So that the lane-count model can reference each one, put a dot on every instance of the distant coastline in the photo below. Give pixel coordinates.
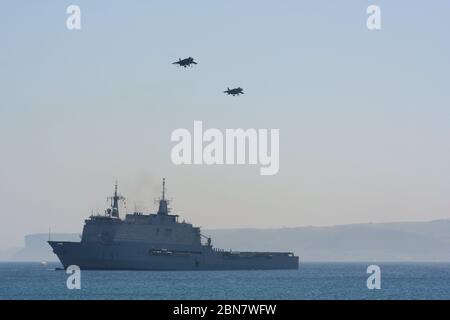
(396, 242)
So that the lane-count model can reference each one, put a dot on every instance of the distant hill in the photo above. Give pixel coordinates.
(37, 249)
(402, 241)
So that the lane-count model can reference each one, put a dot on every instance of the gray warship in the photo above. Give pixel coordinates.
(156, 241)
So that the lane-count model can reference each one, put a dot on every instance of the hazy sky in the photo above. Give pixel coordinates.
(364, 117)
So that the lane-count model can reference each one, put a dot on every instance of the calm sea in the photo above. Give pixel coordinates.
(311, 281)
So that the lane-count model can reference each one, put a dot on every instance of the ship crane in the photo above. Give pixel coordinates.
(208, 239)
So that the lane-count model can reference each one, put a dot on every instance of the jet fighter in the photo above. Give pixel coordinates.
(185, 62)
(235, 91)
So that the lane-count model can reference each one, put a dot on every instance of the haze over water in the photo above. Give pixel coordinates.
(311, 281)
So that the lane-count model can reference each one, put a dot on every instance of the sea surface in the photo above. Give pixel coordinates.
(310, 281)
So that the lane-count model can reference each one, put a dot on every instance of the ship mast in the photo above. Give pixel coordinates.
(164, 189)
(115, 202)
(163, 203)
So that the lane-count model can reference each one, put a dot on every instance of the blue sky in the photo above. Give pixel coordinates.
(363, 116)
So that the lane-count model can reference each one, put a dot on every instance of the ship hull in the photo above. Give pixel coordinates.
(138, 256)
